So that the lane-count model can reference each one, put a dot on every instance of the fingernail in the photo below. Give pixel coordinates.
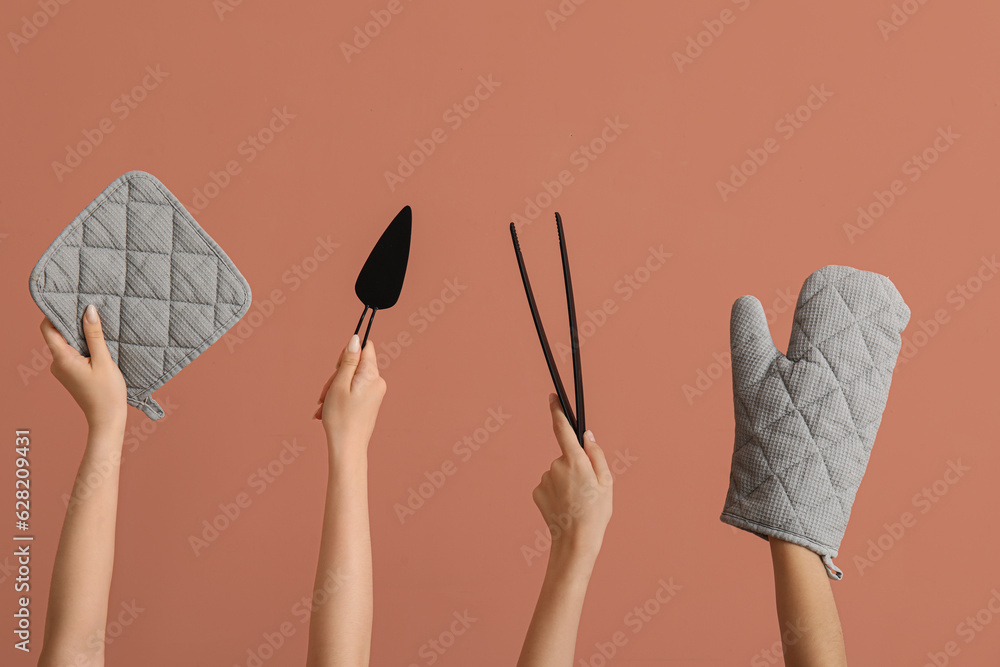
(355, 344)
(552, 398)
(589, 435)
(90, 314)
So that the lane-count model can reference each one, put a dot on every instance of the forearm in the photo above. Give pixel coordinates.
(811, 635)
(340, 629)
(81, 577)
(551, 637)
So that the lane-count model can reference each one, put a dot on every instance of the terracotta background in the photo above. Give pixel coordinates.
(323, 176)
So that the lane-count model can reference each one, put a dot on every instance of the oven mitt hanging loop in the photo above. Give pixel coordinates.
(151, 408)
(806, 422)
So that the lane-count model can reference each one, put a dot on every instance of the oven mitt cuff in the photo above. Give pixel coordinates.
(806, 422)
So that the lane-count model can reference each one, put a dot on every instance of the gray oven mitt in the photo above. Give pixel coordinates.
(165, 291)
(806, 423)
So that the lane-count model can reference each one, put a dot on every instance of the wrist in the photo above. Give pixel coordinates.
(345, 454)
(106, 432)
(572, 561)
(569, 576)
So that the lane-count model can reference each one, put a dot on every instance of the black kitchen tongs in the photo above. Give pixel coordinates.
(576, 422)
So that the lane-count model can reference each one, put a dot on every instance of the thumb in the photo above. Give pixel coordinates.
(348, 363)
(99, 352)
(750, 341)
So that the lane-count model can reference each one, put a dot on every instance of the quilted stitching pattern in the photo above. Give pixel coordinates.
(806, 423)
(165, 290)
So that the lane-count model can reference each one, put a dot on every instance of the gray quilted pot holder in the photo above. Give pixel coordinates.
(164, 289)
(806, 423)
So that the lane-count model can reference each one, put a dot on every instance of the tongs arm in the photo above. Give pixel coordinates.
(549, 360)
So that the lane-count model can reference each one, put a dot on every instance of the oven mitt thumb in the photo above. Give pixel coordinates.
(806, 423)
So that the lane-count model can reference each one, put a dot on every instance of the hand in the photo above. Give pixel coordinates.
(574, 495)
(351, 398)
(94, 382)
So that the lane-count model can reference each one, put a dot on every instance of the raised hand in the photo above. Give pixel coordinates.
(94, 382)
